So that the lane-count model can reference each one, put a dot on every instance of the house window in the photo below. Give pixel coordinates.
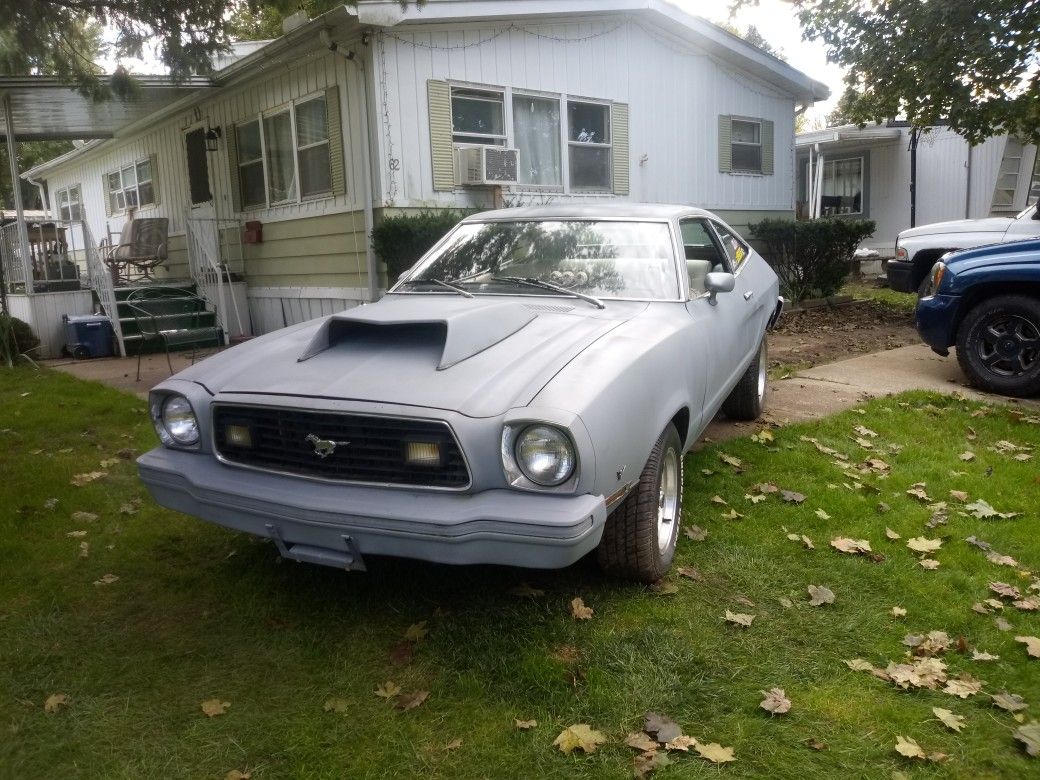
(131, 186)
(588, 134)
(198, 166)
(69, 204)
(536, 135)
(746, 145)
(842, 191)
(285, 156)
(477, 116)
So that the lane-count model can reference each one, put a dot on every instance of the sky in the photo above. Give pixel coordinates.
(775, 20)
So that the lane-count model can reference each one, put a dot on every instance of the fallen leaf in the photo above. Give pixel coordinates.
(764, 436)
(898, 612)
(755, 499)
(79, 480)
(402, 652)
(1001, 560)
(696, 533)
(715, 752)
(719, 500)
(1028, 604)
(640, 740)
(55, 702)
(775, 701)
(959, 495)
(1032, 644)
(822, 515)
(791, 497)
(1002, 624)
(862, 431)
(1011, 702)
(905, 746)
(979, 655)
(949, 719)
(851, 546)
(682, 742)
(84, 549)
(455, 744)
(336, 705)
(580, 736)
(409, 701)
(661, 727)
(967, 456)
(922, 545)
(691, 573)
(234, 774)
(918, 491)
(214, 707)
(525, 591)
(765, 487)
(1004, 590)
(736, 463)
(865, 444)
(84, 517)
(892, 534)
(785, 602)
(525, 725)
(388, 690)
(820, 595)
(739, 618)
(107, 579)
(732, 514)
(963, 687)
(416, 632)
(648, 762)
(928, 563)
(579, 610)
(1029, 736)
(76, 534)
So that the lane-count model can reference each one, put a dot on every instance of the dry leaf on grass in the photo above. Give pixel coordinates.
(851, 546)
(1001, 560)
(401, 653)
(336, 704)
(922, 545)
(580, 736)
(55, 702)
(79, 480)
(949, 719)
(641, 741)
(1032, 644)
(1011, 702)
(775, 701)
(76, 534)
(691, 573)
(416, 632)
(859, 665)
(917, 490)
(682, 742)
(214, 707)
(1029, 736)
(1004, 590)
(729, 460)
(525, 725)
(388, 690)
(661, 727)
(715, 752)
(979, 655)
(107, 579)
(791, 497)
(84, 517)
(696, 533)
(84, 549)
(409, 701)
(967, 456)
(649, 762)
(579, 610)
(863, 431)
(822, 515)
(235, 774)
(719, 500)
(732, 514)
(897, 612)
(963, 687)
(739, 618)
(820, 595)
(959, 495)
(905, 746)
(755, 499)
(928, 563)
(1002, 624)
(892, 534)
(1029, 604)
(455, 744)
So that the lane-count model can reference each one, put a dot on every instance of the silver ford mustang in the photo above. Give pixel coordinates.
(523, 396)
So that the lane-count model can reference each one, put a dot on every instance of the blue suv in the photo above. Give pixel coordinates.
(986, 302)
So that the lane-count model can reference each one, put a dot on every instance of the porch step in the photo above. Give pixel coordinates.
(134, 342)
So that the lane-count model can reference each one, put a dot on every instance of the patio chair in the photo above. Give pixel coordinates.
(173, 318)
(144, 248)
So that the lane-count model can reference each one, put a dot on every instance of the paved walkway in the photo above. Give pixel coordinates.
(808, 395)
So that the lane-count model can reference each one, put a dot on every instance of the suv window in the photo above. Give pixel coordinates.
(702, 253)
(736, 249)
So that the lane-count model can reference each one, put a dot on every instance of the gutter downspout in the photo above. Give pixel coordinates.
(967, 188)
(915, 136)
(371, 262)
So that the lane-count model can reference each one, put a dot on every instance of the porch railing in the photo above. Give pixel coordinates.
(214, 260)
(104, 287)
(55, 261)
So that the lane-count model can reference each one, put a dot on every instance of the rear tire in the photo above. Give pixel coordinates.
(998, 345)
(639, 537)
(747, 400)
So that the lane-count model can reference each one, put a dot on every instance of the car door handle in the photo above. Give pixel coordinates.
(748, 294)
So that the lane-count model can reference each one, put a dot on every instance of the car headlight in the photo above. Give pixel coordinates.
(545, 455)
(175, 421)
(935, 277)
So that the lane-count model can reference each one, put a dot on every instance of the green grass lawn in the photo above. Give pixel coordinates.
(199, 613)
(903, 302)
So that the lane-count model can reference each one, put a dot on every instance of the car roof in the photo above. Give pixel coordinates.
(585, 210)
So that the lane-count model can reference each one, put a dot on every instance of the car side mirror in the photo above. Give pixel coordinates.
(718, 282)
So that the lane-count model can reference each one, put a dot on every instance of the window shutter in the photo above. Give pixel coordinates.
(725, 143)
(232, 153)
(332, 114)
(155, 178)
(438, 95)
(619, 132)
(767, 147)
(108, 195)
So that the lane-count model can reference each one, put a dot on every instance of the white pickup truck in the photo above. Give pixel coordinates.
(918, 248)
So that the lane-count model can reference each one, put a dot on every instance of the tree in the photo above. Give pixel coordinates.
(842, 113)
(972, 63)
(755, 38)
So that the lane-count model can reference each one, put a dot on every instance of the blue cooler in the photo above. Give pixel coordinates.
(88, 335)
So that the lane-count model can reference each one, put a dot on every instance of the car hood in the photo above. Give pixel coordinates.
(477, 356)
(989, 225)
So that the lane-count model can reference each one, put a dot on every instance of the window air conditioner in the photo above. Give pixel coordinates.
(477, 166)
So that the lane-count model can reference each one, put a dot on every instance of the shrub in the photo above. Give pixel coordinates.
(400, 241)
(20, 337)
(812, 258)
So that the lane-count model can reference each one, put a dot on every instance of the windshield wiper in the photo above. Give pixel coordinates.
(550, 286)
(447, 285)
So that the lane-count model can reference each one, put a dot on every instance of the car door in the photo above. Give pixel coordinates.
(1025, 226)
(716, 324)
(750, 293)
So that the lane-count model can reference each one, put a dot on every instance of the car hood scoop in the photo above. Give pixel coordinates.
(457, 331)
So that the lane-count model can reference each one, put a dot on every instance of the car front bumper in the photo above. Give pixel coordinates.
(936, 319)
(337, 524)
(901, 276)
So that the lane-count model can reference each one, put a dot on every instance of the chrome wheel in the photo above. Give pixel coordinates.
(668, 500)
(1009, 346)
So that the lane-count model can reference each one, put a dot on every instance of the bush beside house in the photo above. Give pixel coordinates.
(401, 240)
(20, 337)
(813, 258)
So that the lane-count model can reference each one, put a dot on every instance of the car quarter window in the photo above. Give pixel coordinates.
(735, 247)
(702, 253)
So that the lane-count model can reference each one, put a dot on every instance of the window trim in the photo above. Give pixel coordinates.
(67, 191)
(864, 158)
(564, 99)
(716, 225)
(750, 144)
(259, 117)
(114, 207)
(507, 115)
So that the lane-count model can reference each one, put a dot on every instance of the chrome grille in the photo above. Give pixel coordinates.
(369, 449)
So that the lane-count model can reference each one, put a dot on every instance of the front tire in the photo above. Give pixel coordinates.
(747, 400)
(639, 537)
(998, 345)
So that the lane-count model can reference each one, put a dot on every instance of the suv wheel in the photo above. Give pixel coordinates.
(998, 345)
(639, 538)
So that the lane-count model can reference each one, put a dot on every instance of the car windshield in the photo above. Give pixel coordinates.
(604, 259)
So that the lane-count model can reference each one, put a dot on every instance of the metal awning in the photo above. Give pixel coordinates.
(44, 109)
